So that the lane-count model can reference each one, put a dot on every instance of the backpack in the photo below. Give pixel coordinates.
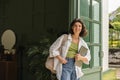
(49, 64)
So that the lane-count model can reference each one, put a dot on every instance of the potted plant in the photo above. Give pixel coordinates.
(37, 54)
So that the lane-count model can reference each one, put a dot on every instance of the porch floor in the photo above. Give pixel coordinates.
(112, 74)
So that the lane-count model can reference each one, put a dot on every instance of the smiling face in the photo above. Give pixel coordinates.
(77, 27)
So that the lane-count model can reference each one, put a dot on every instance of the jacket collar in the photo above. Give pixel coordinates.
(70, 37)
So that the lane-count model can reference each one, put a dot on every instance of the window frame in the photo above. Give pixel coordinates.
(91, 22)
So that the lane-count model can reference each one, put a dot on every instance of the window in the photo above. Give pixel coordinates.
(95, 33)
(95, 10)
(84, 8)
(90, 14)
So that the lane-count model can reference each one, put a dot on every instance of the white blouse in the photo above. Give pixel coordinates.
(54, 52)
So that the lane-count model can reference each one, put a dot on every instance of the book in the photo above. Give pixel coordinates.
(83, 51)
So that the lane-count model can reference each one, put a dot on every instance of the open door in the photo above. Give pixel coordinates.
(89, 11)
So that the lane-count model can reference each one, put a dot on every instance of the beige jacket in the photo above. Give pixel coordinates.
(54, 52)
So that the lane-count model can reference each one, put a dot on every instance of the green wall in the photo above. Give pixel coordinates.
(31, 20)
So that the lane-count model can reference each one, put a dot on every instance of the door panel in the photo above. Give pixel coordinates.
(89, 12)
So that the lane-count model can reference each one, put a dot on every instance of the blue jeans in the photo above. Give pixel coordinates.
(68, 70)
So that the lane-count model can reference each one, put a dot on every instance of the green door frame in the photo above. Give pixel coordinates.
(74, 12)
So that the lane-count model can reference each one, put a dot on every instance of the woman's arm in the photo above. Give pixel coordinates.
(54, 50)
(85, 58)
(55, 46)
(79, 57)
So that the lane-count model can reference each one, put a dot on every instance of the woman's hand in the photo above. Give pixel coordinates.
(78, 57)
(82, 58)
(62, 60)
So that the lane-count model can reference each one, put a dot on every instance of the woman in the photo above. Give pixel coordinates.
(64, 62)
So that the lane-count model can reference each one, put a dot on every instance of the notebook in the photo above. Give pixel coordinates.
(82, 52)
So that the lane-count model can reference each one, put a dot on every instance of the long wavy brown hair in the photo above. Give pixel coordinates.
(83, 31)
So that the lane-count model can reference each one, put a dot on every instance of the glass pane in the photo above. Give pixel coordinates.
(84, 8)
(86, 65)
(96, 60)
(95, 33)
(87, 38)
(95, 10)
